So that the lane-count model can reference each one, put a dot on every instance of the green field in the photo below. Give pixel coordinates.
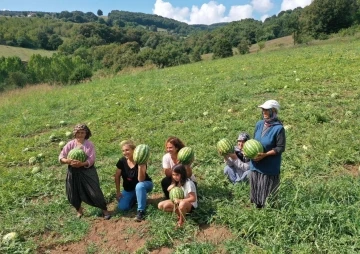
(317, 210)
(23, 53)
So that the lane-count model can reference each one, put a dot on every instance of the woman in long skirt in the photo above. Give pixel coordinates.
(82, 181)
(265, 168)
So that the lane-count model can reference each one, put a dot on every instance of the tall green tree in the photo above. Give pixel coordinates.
(328, 16)
(222, 48)
(100, 12)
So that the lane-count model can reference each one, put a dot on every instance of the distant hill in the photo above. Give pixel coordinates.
(124, 18)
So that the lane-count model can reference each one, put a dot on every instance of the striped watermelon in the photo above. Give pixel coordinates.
(141, 154)
(176, 192)
(77, 154)
(252, 147)
(185, 155)
(224, 146)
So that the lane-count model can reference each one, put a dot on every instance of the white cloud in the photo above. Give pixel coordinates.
(263, 17)
(292, 4)
(207, 13)
(262, 5)
(165, 9)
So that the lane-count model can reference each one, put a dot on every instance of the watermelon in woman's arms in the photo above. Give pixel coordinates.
(77, 154)
(185, 155)
(141, 154)
(224, 146)
(252, 147)
(176, 192)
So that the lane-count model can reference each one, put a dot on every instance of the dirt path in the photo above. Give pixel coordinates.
(124, 235)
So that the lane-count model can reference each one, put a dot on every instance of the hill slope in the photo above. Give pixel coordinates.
(316, 209)
(23, 53)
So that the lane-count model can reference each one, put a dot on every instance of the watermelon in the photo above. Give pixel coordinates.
(69, 134)
(141, 154)
(32, 161)
(224, 146)
(77, 154)
(252, 147)
(35, 170)
(10, 237)
(176, 192)
(185, 155)
(61, 144)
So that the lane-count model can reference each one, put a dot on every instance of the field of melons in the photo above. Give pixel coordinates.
(317, 209)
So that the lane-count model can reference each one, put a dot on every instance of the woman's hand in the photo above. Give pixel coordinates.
(77, 164)
(177, 201)
(171, 186)
(118, 196)
(260, 156)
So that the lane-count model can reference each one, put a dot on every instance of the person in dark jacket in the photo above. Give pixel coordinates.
(265, 167)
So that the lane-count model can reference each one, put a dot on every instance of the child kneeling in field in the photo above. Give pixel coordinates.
(181, 206)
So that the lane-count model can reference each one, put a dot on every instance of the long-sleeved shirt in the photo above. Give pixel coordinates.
(88, 148)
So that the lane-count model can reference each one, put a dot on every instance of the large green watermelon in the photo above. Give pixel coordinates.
(141, 154)
(77, 154)
(185, 155)
(224, 146)
(176, 192)
(252, 147)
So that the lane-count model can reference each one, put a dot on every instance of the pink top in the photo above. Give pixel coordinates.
(88, 148)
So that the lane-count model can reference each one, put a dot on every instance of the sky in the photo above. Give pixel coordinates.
(191, 12)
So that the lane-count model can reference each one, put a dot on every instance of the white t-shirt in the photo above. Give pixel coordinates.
(188, 187)
(167, 162)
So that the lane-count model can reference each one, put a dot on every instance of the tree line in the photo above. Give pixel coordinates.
(88, 43)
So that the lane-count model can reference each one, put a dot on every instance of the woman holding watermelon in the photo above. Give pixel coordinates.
(265, 167)
(136, 182)
(82, 181)
(188, 201)
(237, 165)
(169, 160)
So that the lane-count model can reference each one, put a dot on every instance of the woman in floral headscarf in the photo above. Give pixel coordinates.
(82, 181)
(265, 167)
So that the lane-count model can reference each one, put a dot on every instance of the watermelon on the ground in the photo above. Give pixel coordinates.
(77, 154)
(61, 144)
(224, 146)
(252, 147)
(32, 161)
(185, 155)
(69, 134)
(141, 154)
(10, 237)
(36, 170)
(176, 192)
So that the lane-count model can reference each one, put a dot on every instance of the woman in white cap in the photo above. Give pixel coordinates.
(237, 165)
(265, 168)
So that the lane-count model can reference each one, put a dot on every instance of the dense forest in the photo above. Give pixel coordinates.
(85, 42)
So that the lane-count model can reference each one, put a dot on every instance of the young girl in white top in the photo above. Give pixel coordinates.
(182, 206)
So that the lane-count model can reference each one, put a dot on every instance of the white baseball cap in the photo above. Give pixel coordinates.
(270, 104)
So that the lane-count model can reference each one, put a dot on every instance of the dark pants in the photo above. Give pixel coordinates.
(82, 185)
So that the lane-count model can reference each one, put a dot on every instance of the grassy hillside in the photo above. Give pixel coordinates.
(23, 53)
(317, 210)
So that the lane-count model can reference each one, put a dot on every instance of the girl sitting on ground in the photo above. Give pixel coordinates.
(181, 206)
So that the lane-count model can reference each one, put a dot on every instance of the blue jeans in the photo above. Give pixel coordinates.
(236, 176)
(129, 198)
